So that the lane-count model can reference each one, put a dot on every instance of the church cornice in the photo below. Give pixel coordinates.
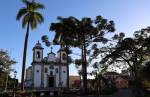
(48, 63)
(34, 63)
(38, 48)
(53, 63)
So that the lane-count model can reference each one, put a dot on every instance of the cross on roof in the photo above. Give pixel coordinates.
(51, 49)
(38, 42)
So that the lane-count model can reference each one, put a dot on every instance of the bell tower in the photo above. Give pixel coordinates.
(62, 55)
(37, 52)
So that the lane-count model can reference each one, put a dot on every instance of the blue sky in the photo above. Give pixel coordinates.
(128, 15)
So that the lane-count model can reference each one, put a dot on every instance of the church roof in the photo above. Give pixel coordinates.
(51, 52)
(38, 46)
(61, 49)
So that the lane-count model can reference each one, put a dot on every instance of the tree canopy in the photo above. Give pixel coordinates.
(30, 14)
(5, 61)
(5, 67)
(80, 33)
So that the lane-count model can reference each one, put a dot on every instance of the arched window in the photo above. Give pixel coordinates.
(38, 54)
(64, 56)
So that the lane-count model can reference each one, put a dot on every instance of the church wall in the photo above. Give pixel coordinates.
(46, 74)
(37, 75)
(64, 76)
(51, 57)
(41, 76)
(45, 80)
(57, 75)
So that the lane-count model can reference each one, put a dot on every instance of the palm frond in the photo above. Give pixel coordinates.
(33, 21)
(39, 6)
(39, 18)
(21, 13)
(30, 14)
(26, 2)
(25, 20)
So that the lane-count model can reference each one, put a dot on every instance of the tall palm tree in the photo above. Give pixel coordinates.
(30, 19)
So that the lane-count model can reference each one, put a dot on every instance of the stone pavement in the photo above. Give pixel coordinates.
(120, 93)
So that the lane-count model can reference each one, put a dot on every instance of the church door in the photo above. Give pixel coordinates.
(51, 81)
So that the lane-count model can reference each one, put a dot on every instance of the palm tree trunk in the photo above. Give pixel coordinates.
(24, 57)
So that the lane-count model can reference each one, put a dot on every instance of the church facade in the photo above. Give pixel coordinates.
(47, 72)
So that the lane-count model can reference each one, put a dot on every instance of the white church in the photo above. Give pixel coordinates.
(47, 72)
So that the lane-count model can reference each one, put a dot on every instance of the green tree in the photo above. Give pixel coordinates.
(146, 71)
(63, 39)
(80, 33)
(5, 68)
(78, 63)
(132, 52)
(30, 18)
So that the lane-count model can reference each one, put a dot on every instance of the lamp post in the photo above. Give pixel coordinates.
(15, 73)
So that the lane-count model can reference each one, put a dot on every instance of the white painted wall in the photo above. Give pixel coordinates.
(46, 75)
(37, 75)
(57, 76)
(45, 80)
(51, 58)
(64, 76)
